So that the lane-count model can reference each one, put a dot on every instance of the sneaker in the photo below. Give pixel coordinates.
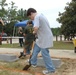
(34, 66)
(21, 54)
(24, 55)
(46, 72)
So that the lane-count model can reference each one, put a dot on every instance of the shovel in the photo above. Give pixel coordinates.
(28, 66)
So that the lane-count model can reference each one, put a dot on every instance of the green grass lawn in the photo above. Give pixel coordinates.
(15, 45)
(63, 45)
(57, 45)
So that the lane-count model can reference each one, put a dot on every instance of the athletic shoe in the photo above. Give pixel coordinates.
(24, 55)
(21, 54)
(34, 66)
(46, 72)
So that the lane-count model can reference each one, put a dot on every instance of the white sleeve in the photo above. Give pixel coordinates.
(36, 21)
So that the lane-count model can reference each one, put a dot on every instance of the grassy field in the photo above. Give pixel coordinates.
(63, 45)
(15, 45)
(57, 45)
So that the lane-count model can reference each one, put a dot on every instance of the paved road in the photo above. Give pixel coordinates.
(53, 52)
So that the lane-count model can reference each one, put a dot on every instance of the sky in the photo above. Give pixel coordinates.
(50, 8)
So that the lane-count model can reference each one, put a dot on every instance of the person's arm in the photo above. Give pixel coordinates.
(2, 22)
(36, 25)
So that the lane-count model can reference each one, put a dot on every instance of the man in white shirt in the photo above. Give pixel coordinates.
(44, 41)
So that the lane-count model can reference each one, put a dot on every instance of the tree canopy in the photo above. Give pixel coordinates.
(10, 16)
(68, 19)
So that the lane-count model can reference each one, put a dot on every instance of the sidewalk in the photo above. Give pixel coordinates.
(56, 53)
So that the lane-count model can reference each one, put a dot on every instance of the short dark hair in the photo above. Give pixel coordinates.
(29, 22)
(31, 10)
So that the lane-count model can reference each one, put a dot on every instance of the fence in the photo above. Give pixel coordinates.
(56, 38)
(8, 39)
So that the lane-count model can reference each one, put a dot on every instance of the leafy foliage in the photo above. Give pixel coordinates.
(56, 31)
(68, 19)
(10, 16)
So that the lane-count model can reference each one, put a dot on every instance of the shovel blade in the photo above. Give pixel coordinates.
(27, 67)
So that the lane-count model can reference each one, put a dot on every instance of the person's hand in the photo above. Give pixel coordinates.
(20, 32)
(34, 32)
(24, 34)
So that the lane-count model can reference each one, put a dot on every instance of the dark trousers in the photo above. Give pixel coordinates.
(21, 42)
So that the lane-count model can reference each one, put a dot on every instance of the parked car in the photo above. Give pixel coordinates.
(3, 35)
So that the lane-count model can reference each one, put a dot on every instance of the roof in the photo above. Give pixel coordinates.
(21, 24)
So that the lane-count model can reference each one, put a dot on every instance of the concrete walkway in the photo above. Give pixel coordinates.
(56, 53)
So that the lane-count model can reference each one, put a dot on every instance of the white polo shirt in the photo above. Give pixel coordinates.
(44, 33)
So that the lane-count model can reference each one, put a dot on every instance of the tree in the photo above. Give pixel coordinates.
(9, 28)
(56, 31)
(11, 13)
(21, 14)
(2, 12)
(3, 4)
(68, 19)
(10, 16)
